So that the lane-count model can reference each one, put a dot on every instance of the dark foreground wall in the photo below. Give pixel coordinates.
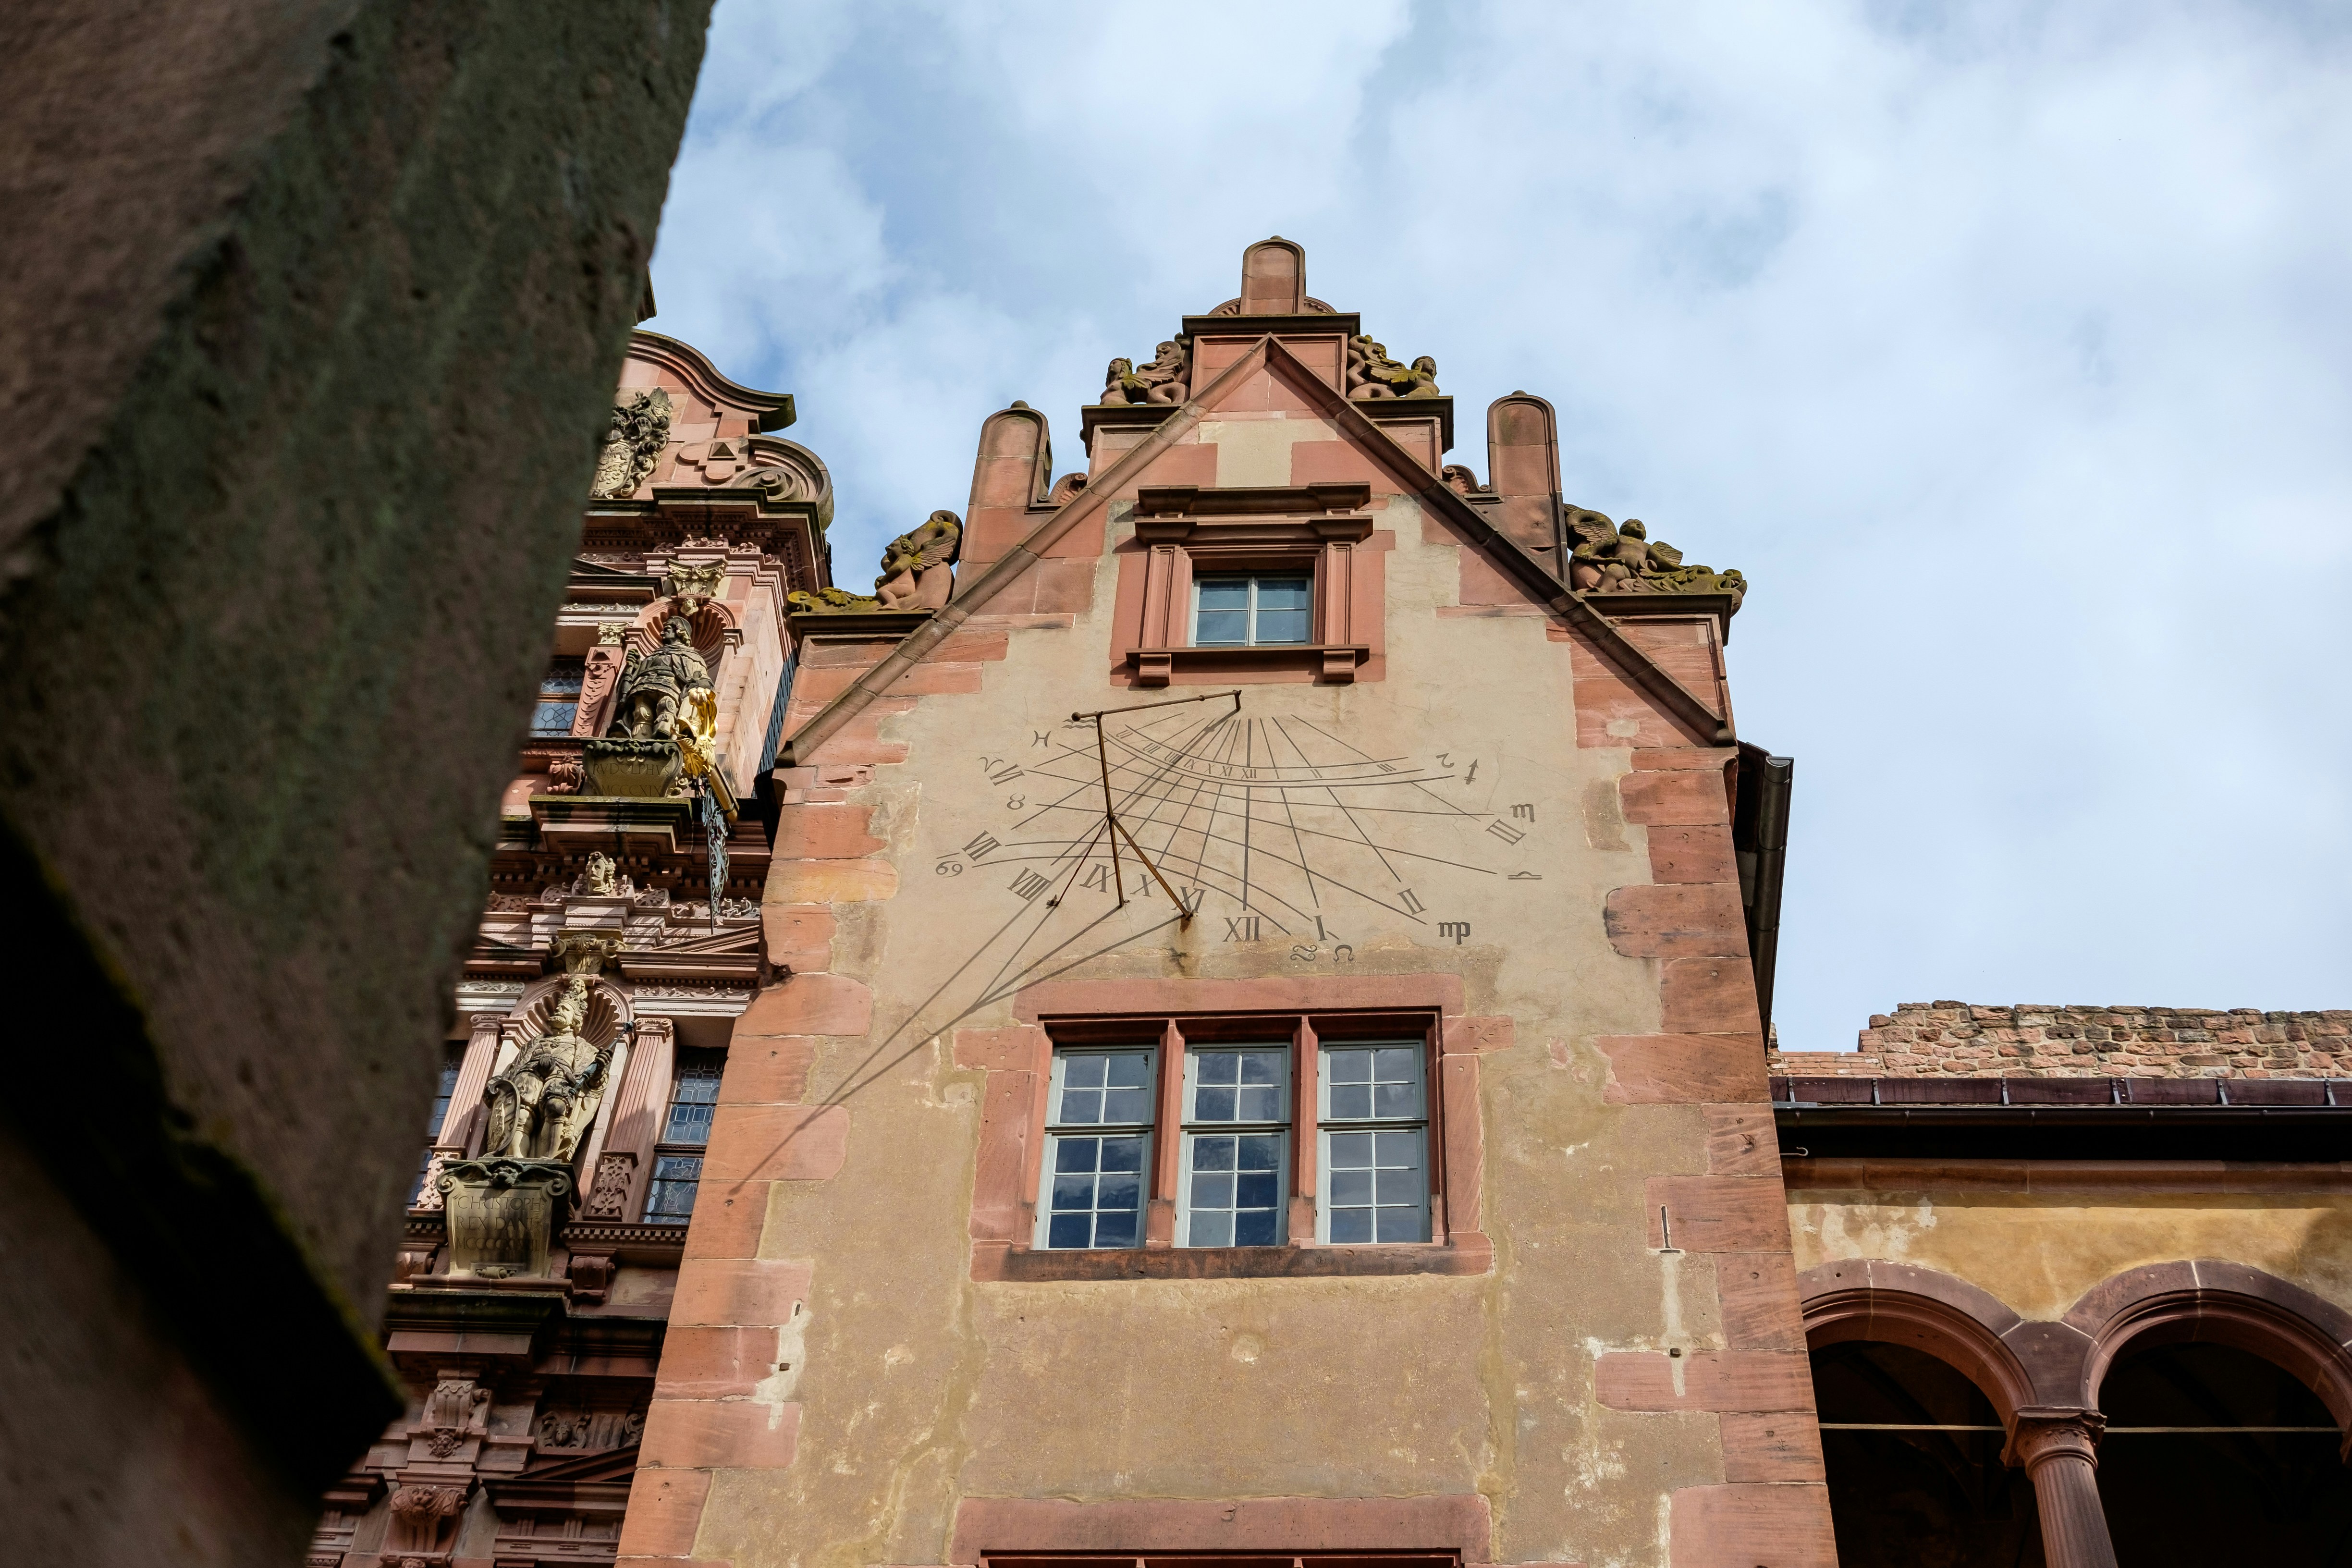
(310, 318)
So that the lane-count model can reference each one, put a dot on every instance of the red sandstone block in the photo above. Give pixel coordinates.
(1711, 1380)
(1676, 919)
(931, 678)
(1000, 1050)
(1750, 1526)
(1718, 1214)
(1064, 587)
(1756, 1296)
(664, 1510)
(739, 1434)
(860, 740)
(971, 646)
(838, 653)
(773, 1070)
(1468, 1034)
(750, 1292)
(1653, 759)
(1682, 1070)
(812, 688)
(800, 936)
(1000, 1184)
(825, 833)
(1708, 996)
(808, 1005)
(729, 1219)
(713, 1363)
(1693, 854)
(1741, 1141)
(1674, 799)
(777, 1144)
(1611, 712)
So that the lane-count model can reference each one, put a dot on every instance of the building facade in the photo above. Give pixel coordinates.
(1220, 1012)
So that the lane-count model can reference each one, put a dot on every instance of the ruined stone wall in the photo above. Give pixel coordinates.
(1932, 1039)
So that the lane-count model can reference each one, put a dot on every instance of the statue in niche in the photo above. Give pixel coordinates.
(542, 1102)
(1628, 561)
(1161, 381)
(918, 574)
(640, 430)
(656, 687)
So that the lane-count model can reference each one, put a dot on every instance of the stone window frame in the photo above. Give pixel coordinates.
(1009, 1181)
(1322, 531)
(682, 1063)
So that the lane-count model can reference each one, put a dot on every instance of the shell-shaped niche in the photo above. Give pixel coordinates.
(608, 1009)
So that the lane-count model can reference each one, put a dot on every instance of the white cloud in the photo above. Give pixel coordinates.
(2004, 348)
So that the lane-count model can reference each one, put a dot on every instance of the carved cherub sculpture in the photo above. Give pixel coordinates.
(1371, 373)
(918, 568)
(655, 687)
(1634, 562)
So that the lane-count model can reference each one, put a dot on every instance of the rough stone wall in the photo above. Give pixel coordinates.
(313, 314)
(1954, 1040)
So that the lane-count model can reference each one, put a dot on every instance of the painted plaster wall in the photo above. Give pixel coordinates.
(922, 1387)
(2038, 1253)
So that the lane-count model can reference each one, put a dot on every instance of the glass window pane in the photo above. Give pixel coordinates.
(1403, 1224)
(1083, 1106)
(1350, 1101)
(1212, 1228)
(553, 719)
(1281, 594)
(1254, 1228)
(1128, 1105)
(1212, 1104)
(694, 1095)
(1234, 1192)
(563, 678)
(1221, 617)
(1127, 1070)
(1278, 626)
(1349, 1066)
(1224, 592)
(1086, 1102)
(1219, 1066)
(1351, 1226)
(1260, 1102)
(1260, 1067)
(1083, 1071)
(1238, 1085)
(1094, 1198)
(669, 1198)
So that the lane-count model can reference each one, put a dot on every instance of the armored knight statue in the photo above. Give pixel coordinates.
(655, 687)
(542, 1103)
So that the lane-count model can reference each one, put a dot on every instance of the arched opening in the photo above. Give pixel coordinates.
(1916, 1479)
(2213, 1454)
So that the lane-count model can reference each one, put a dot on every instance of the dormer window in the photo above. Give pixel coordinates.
(1252, 611)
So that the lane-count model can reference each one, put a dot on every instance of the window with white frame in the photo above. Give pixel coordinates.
(1257, 610)
(686, 1132)
(1373, 1123)
(1232, 1192)
(1098, 1148)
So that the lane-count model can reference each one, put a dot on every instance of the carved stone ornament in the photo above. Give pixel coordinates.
(608, 1200)
(565, 777)
(1164, 380)
(694, 586)
(501, 1216)
(421, 1515)
(1373, 374)
(542, 1102)
(640, 430)
(1627, 561)
(918, 574)
(597, 879)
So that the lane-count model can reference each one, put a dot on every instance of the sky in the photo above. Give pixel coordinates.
(2007, 349)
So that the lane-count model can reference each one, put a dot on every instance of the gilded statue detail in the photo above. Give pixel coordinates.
(918, 574)
(655, 687)
(640, 430)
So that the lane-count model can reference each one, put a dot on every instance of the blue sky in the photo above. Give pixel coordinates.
(2007, 349)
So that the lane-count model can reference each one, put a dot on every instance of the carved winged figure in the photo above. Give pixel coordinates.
(543, 1101)
(918, 568)
(1630, 561)
(655, 687)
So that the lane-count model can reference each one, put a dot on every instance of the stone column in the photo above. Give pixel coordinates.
(462, 1124)
(2058, 1446)
(637, 1110)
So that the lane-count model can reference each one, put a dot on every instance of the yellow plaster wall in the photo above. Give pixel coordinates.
(2040, 1253)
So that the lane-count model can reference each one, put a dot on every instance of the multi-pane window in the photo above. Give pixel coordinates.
(1228, 1132)
(1254, 611)
(453, 1058)
(1098, 1148)
(559, 697)
(1236, 1132)
(677, 1157)
(1374, 1125)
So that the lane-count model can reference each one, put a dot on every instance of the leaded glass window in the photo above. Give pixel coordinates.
(677, 1160)
(559, 698)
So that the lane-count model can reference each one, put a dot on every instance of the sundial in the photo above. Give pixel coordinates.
(1202, 822)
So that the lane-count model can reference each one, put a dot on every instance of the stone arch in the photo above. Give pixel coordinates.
(715, 628)
(2212, 1301)
(1894, 1303)
(609, 1007)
